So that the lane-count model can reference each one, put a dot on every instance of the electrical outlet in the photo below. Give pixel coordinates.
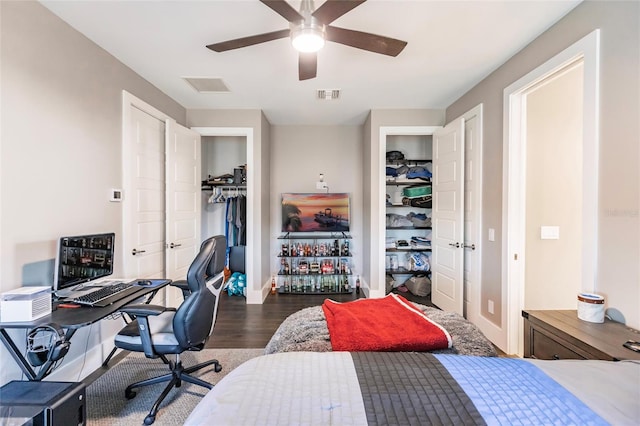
(490, 307)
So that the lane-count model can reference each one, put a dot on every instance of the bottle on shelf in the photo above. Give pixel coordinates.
(273, 285)
(358, 285)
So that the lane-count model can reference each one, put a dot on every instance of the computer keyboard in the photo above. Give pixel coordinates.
(107, 295)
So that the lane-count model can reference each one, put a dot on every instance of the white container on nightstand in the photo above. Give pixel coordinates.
(591, 307)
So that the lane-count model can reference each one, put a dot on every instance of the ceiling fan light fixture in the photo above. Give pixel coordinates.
(307, 38)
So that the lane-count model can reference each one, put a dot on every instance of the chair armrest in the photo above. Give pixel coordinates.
(142, 313)
(143, 310)
(183, 286)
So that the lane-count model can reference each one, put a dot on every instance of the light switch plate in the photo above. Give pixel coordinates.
(549, 232)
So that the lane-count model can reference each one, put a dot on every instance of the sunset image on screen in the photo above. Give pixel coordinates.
(310, 212)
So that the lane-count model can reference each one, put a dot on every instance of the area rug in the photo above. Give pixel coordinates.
(107, 405)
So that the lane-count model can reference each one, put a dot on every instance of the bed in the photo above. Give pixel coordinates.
(306, 330)
(387, 388)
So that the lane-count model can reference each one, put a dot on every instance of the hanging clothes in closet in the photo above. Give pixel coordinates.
(236, 220)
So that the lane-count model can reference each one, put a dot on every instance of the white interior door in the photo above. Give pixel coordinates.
(448, 217)
(472, 212)
(143, 155)
(183, 202)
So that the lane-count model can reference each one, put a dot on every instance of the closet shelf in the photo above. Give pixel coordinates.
(316, 274)
(211, 187)
(416, 181)
(402, 250)
(407, 227)
(315, 256)
(407, 162)
(282, 290)
(314, 236)
(405, 271)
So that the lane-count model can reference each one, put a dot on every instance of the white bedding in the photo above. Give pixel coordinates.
(312, 388)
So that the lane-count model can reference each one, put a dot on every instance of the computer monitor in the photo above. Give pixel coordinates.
(83, 258)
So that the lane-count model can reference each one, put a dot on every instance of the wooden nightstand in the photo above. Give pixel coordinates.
(562, 335)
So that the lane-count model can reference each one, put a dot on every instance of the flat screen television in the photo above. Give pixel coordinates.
(83, 258)
(315, 212)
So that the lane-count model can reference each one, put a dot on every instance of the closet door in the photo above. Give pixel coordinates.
(161, 202)
(183, 202)
(143, 204)
(448, 218)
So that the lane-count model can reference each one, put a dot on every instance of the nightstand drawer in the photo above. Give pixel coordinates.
(546, 347)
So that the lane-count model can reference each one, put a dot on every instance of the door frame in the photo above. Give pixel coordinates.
(586, 49)
(255, 292)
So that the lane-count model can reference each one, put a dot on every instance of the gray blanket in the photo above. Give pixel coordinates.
(306, 330)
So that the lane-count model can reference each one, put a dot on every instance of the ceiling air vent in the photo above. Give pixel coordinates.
(207, 84)
(328, 95)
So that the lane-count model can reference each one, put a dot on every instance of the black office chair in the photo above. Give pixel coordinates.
(159, 331)
(237, 259)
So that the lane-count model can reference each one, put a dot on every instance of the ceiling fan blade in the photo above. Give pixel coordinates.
(366, 41)
(331, 10)
(237, 43)
(307, 65)
(283, 9)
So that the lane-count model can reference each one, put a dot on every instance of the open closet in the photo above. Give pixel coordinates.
(408, 203)
(448, 231)
(224, 188)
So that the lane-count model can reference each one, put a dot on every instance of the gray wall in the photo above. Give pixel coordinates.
(618, 271)
(298, 155)
(61, 108)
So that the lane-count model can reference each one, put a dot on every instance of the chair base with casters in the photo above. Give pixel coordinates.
(161, 332)
(175, 378)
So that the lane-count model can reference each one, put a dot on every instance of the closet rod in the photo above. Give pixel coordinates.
(213, 187)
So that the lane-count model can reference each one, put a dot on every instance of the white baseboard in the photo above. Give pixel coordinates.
(78, 368)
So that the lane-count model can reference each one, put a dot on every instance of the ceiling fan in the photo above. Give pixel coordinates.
(309, 28)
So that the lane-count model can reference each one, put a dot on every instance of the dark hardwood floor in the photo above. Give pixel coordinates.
(239, 325)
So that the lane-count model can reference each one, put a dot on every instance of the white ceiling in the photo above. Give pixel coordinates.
(452, 45)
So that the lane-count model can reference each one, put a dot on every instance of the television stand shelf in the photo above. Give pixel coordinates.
(314, 263)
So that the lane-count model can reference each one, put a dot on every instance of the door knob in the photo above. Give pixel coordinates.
(134, 251)
(472, 246)
(456, 245)
(172, 245)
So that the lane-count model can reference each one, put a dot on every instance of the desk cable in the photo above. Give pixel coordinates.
(26, 332)
(86, 346)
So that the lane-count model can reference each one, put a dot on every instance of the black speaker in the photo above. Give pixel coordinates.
(46, 343)
(46, 403)
(238, 176)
